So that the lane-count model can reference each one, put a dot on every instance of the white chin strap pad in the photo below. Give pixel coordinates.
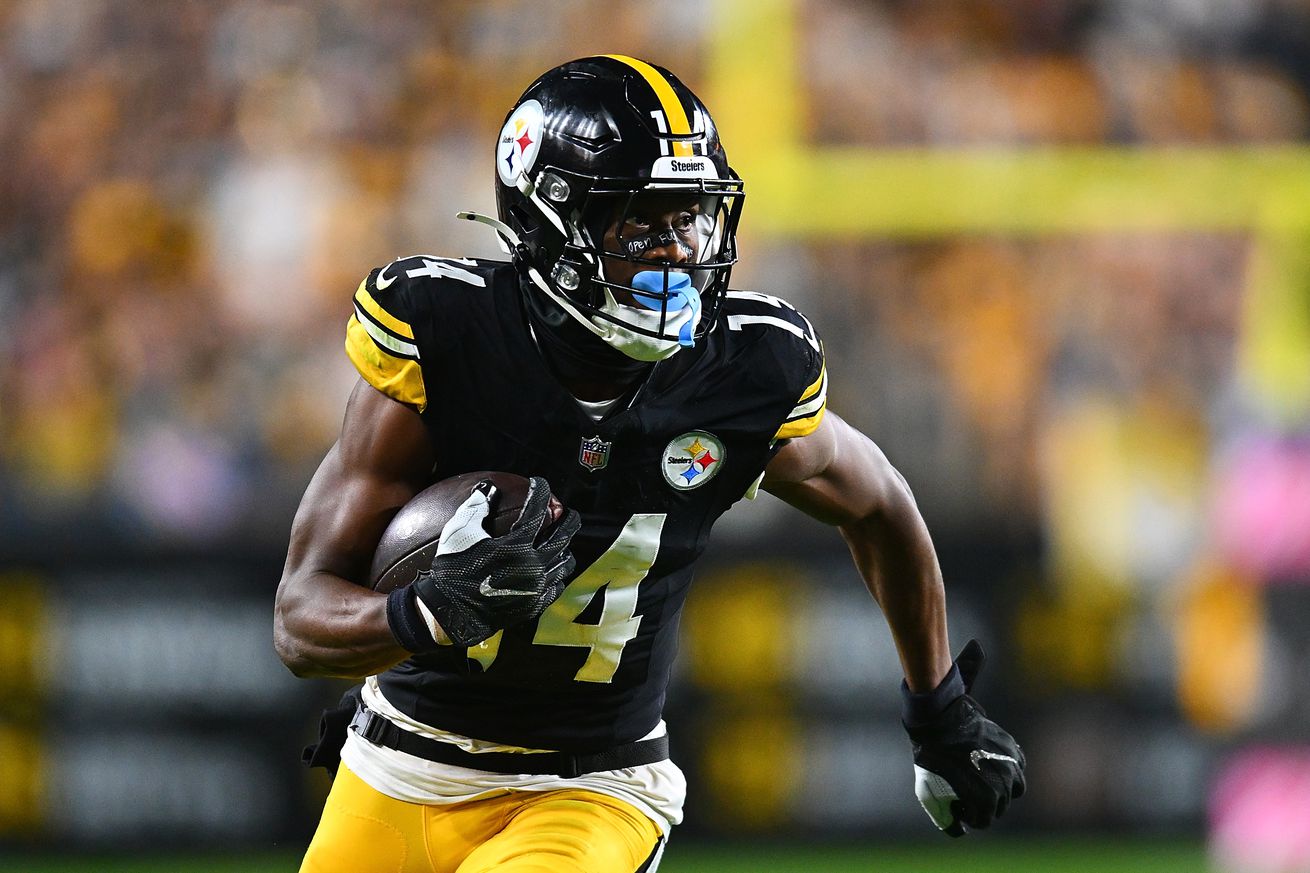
(617, 330)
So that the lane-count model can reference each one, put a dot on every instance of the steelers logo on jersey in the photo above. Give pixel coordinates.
(520, 140)
(692, 459)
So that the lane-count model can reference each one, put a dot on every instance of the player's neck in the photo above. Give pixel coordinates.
(586, 367)
(596, 391)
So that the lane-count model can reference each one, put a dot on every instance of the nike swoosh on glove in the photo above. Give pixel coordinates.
(967, 769)
(479, 584)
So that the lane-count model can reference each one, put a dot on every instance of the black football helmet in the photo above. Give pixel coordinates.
(587, 147)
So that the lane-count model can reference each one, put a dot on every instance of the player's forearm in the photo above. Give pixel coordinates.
(340, 629)
(895, 555)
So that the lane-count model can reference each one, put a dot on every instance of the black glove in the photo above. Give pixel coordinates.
(967, 768)
(479, 584)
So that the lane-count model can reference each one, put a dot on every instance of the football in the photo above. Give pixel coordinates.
(410, 541)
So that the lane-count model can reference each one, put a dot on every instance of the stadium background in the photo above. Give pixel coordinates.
(1060, 254)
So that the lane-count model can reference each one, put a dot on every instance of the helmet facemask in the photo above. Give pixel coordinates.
(647, 263)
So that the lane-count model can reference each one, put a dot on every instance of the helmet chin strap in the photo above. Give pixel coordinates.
(631, 343)
(505, 235)
(510, 242)
(576, 354)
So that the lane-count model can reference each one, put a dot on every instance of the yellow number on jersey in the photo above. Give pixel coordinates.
(619, 571)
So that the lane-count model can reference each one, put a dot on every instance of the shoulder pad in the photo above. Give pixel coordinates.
(422, 269)
(743, 308)
(395, 296)
(799, 349)
(380, 339)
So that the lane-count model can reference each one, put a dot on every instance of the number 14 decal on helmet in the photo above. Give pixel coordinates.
(694, 146)
(619, 571)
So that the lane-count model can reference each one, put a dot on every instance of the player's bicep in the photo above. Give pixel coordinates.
(382, 459)
(835, 473)
(326, 622)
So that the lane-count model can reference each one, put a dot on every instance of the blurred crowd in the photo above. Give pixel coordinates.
(1071, 71)
(195, 188)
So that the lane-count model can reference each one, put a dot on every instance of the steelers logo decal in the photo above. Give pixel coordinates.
(692, 459)
(520, 140)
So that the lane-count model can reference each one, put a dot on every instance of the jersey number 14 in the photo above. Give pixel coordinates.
(618, 572)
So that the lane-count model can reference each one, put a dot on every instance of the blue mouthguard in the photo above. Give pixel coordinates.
(681, 295)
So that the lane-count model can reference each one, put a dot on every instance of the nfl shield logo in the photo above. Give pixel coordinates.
(595, 453)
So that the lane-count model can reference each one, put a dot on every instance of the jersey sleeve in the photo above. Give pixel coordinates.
(784, 345)
(800, 353)
(380, 339)
(813, 401)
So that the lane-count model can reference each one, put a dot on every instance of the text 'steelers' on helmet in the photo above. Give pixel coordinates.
(598, 146)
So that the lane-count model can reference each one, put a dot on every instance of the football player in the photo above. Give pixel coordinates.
(510, 718)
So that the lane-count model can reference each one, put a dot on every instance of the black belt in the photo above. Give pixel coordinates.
(381, 732)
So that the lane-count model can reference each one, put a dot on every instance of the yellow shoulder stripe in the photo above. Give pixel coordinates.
(801, 426)
(673, 110)
(373, 308)
(399, 378)
(815, 385)
(808, 413)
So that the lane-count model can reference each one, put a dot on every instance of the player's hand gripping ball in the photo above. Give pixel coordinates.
(500, 558)
(967, 769)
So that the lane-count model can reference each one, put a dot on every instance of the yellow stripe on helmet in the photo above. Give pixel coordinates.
(673, 111)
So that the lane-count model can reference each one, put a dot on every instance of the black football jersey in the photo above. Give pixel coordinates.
(450, 338)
